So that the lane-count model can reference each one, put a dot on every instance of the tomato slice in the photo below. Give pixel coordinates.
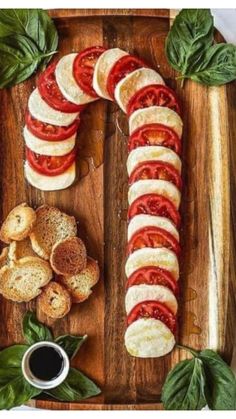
(154, 134)
(153, 275)
(153, 237)
(50, 92)
(83, 68)
(125, 65)
(50, 132)
(155, 310)
(50, 165)
(153, 95)
(154, 204)
(154, 169)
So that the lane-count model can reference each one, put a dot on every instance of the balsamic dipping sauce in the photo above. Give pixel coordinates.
(46, 363)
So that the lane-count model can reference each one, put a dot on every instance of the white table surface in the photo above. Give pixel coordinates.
(225, 22)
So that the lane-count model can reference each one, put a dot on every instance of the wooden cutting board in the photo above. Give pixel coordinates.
(99, 201)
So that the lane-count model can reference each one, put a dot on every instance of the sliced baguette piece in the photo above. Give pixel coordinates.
(23, 281)
(19, 250)
(79, 286)
(51, 226)
(54, 300)
(69, 256)
(18, 224)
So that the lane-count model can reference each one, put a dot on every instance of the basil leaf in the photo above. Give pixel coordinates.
(28, 39)
(32, 23)
(75, 387)
(71, 344)
(217, 67)
(190, 35)
(11, 357)
(19, 59)
(220, 380)
(14, 389)
(33, 330)
(184, 386)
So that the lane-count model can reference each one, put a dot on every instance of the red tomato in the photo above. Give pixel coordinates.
(83, 69)
(153, 95)
(50, 132)
(154, 204)
(50, 165)
(125, 65)
(153, 237)
(50, 92)
(156, 170)
(153, 275)
(154, 134)
(155, 310)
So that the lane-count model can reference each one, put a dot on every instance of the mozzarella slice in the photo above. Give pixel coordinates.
(156, 115)
(156, 186)
(129, 85)
(67, 83)
(161, 257)
(140, 293)
(48, 148)
(102, 69)
(145, 220)
(147, 153)
(40, 110)
(50, 183)
(149, 338)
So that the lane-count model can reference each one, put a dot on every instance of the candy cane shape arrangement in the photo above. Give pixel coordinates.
(154, 172)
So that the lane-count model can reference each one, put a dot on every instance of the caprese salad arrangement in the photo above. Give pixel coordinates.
(154, 170)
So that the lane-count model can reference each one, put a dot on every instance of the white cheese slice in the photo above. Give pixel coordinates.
(48, 148)
(140, 293)
(146, 153)
(50, 183)
(149, 338)
(102, 69)
(67, 83)
(129, 85)
(40, 110)
(160, 257)
(156, 115)
(144, 220)
(154, 186)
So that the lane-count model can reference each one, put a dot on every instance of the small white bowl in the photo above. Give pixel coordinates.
(42, 384)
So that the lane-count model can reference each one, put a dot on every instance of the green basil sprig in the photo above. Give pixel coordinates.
(28, 39)
(190, 49)
(15, 390)
(203, 380)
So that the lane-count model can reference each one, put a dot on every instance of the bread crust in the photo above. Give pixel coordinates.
(69, 256)
(51, 226)
(20, 249)
(54, 300)
(4, 257)
(79, 286)
(18, 224)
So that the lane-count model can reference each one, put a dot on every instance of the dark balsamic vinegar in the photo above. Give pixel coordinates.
(46, 363)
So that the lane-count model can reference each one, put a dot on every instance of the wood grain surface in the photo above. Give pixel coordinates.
(99, 201)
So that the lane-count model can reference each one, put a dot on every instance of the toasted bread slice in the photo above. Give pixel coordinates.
(23, 281)
(4, 257)
(51, 226)
(19, 250)
(79, 286)
(69, 256)
(54, 300)
(18, 224)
